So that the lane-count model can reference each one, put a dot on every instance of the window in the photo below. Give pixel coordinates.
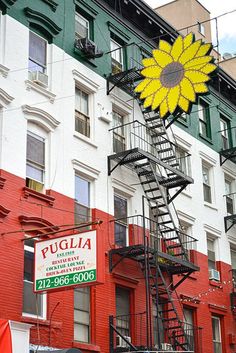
(118, 134)
(81, 27)
(211, 254)
(82, 314)
(186, 235)
(33, 304)
(201, 28)
(183, 158)
(207, 194)
(35, 162)
(189, 326)
(158, 327)
(233, 264)
(82, 200)
(204, 120)
(123, 311)
(120, 214)
(229, 197)
(216, 334)
(37, 53)
(82, 120)
(224, 130)
(116, 57)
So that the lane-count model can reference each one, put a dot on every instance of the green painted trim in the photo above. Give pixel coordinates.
(52, 4)
(42, 21)
(86, 8)
(118, 32)
(6, 4)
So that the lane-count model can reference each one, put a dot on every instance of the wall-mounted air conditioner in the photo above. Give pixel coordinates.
(88, 48)
(120, 342)
(214, 274)
(39, 77)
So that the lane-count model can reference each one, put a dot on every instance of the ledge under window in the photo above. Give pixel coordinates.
(86, 346)
(36, 87)
(85, 139)
(2, 182)
(43, 197)
(208, 139)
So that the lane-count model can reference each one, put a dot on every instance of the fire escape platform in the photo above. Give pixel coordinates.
(229, 154)
(172, 264)
(124, 80)
(131, 158)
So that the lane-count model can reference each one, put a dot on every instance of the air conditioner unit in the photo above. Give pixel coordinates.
(39, 77)
(88, 48)
(214, 274)
(120, 342)
(166, 347)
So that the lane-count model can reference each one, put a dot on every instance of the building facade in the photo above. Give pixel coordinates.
(77, 147)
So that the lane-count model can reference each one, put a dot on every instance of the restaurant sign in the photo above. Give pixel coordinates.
(65, 261)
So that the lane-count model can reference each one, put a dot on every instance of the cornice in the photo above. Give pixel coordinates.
(4, 70)
(3, 211)
(27, 192)
(40, 115)
(5, 98)
(37, 221)
(39, 19)
(52, 4)
(2, 182)
(6, 4)
(33, 85)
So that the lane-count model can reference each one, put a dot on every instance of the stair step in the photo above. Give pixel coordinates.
(153, 189)
(171, 174)
(142, 165)
(166, 222)
(157, 143)
(145, 172)
(152, 119)
(165, 150)
(159, 133)
(174, 165)
(169, 319)
(174, 246)
(174, 327)
(148, 181)
(166, 311)
(168, 158)
(180, 254)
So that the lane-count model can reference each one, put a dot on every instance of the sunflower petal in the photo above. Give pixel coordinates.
(196, 76)
(149, 62)
(152, 71)
(204, 49)
(162, 58)
(187, 41)
(183, 104)
(190, 52)
(151, 88)
(200, 88)
(173, 98)
(163, 108)
(165, 46)
(197, 63)
(187, 90)
(158, 97)
(142, 85)
(148, 101)
(177, 48)
(207, 69)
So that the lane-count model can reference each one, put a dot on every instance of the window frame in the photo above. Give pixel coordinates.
(127, 329)
(207, 186)
(212, 252)
(88, 28)
(204, 120)
(79, 205)
(83, 117)
(184, 157)
(88, 326)
(213, 317)
(36, 62)
(119, 133)
(43, 295)
(121, 223)
(115, 47)
(201, 28)
(225, 132)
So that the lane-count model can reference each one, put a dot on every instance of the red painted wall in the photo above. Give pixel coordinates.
(58, 328)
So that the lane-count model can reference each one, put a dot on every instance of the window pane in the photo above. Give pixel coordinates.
(81, 27)
(82, 314)
(120, 208)
(81, 332)
(29, 266)
(120, 234)
(81, 101)
(36, 149)
(82, 298)
(82, 188)
(34, 173)
(81, 317)
(32, 301)
(37, 49)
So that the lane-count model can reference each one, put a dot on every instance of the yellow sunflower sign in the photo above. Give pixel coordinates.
(175, 75)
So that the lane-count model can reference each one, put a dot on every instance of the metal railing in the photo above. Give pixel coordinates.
(139, 227)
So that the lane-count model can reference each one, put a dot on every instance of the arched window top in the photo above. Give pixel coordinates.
(5, 98)
(40, 117)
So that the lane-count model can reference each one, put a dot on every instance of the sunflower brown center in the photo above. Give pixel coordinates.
(172, 75)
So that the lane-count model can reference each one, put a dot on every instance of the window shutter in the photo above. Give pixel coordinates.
(35, 150)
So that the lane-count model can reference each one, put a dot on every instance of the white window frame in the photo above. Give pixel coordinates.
(79, 114)
(224, 132)
(44, 295)
(43, 66)
(209, 185)
(117, 54)
(79, 17)
(83, 311)
(126, 225)
(184, 159)
(204, 119)
(231, 194)
(89, 196)
(201, 28)
(219, 329)
(119, 133)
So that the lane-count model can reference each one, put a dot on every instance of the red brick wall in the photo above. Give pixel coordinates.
(58, 328)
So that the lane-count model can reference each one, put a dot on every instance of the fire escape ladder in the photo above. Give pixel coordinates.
(167, 312)
(160, 209)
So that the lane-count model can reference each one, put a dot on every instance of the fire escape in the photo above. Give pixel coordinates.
(157, 242)
(228, 153)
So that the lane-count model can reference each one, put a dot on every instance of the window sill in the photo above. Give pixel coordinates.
(83, 57)
(2, 182)
(43, 197)
(217, 284)
(86, 346)
(209, 205)
(85, 139)
(182, 122)
(3, 211)
(207, 139)
(44, 91)
(31, 319)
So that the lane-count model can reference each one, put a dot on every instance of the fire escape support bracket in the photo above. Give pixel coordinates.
(170, 199)
(110, 170)
(227, 228)
(123, 337)
(116, 84)
(223, 159)
(111, 266)
(182, 280)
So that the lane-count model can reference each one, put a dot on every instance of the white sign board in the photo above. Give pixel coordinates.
(65, 261)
